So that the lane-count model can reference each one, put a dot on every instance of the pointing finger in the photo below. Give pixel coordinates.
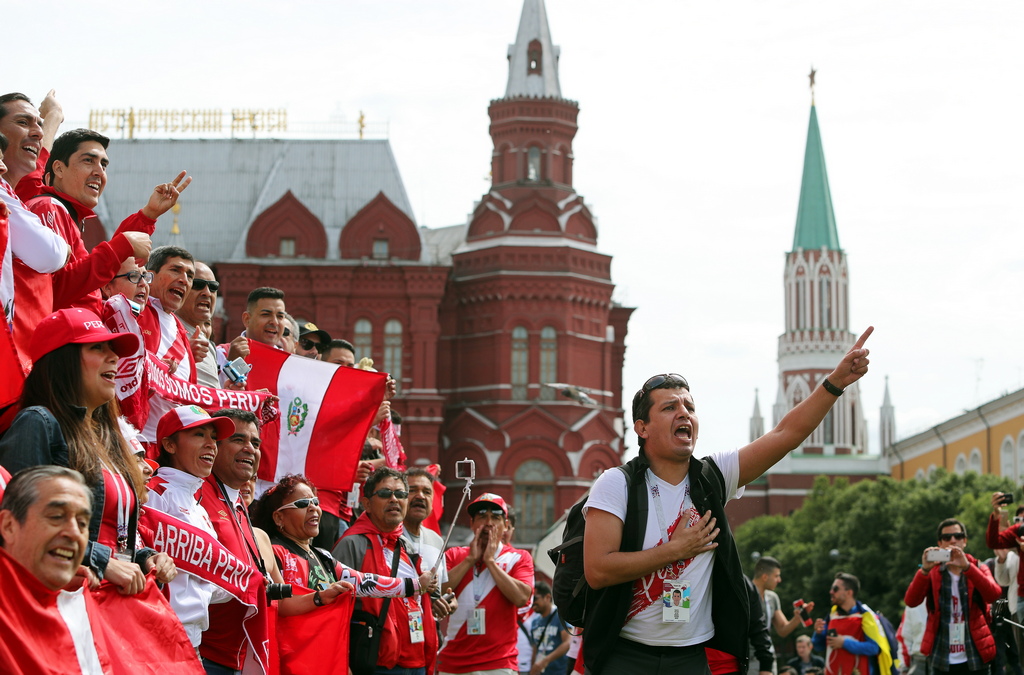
(864, 337)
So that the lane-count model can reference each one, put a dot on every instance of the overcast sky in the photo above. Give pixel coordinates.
(693, 119)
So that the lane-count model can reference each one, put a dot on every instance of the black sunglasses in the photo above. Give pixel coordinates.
(287, 332)
(200, 284)
(385, 493)
(308, 344)
(135, 275)
(658, 380)
(946, 536)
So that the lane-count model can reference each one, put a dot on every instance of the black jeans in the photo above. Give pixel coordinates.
(630, 658)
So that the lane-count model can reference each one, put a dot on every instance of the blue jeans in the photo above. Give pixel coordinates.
(398, 670)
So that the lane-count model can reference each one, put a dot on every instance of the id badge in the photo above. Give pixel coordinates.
(956, 633)
(416, 625)
(675, 600)
(352, 498)
(476, 624)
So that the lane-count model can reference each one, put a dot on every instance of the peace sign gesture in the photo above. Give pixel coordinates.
(165, 196)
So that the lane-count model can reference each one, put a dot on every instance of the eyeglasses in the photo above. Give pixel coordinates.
(308, 344)
(385, 493)
(200, 284)
(300, 504)
(946, 536)
(836, 589)
(135, 276)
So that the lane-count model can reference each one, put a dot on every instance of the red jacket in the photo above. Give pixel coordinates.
(77, 284)
(981, 590)
(1006, 539)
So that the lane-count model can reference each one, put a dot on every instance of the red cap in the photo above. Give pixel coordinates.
(190, 416)
(80, 327)
(484, 500)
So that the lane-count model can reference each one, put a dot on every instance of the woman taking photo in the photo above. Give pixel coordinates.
(69, 417)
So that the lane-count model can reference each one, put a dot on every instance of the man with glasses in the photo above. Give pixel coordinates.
(659, 525)
(956, 589)
(409, 642)
(198, 308)
(312, 341)
(491, 579)
(851, 636)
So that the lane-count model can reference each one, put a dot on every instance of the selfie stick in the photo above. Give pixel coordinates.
(451, 528)
(1012, 623)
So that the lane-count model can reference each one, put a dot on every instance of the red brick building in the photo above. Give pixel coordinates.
(472, 320)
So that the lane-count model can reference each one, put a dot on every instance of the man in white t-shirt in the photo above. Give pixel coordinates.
(681, 516)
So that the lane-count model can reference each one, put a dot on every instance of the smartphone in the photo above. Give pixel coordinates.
(832, 632)
(237, 370)
(1007, 498)
(938, 555)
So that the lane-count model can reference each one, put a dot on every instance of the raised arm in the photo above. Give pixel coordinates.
(799, 422)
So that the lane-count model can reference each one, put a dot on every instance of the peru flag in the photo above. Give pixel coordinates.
(326, 412)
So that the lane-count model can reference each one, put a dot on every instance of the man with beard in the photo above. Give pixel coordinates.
(422, 541)
(491, 579)
(198, 308)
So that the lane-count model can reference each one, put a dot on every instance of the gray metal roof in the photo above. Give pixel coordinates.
(234, 180)
(533, 25)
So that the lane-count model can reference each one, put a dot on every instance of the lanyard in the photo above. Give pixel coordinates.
(123, 507)
(656, 495)
(477, 589)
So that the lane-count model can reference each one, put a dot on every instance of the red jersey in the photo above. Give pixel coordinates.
(496, 647)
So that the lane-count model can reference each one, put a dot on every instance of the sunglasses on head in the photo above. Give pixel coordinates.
(946, 536)
(658, 380)
(200, 284)
(385, 493)
(135, 276)
(301, 503)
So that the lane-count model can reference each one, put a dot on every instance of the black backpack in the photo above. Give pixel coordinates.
(569, 587)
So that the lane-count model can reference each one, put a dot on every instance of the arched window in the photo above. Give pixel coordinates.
(974, 463)
(920, 474)
(393, 350)
(362, 339)
(534, 53)
(1006, 460)
(828, 431)
(533, 173)
(548, 360)
(960, 468)
(520, 362)
(825, 301)
(931, 470)
(535, 500)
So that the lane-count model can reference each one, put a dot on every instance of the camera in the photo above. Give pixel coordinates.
(1007, 498)
(938, 555)
(465, 469)
(801, 611)
(279, 591)
(237, 370)
(832, 632)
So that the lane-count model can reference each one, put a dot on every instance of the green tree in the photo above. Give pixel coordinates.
(874, 529)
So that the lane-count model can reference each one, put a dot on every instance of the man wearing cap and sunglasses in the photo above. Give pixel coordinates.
(491, 580)
(957, 636)
(312, 341)
(659, 525)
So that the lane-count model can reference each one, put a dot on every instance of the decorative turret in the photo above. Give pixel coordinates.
(887, 421)
(756, 421)
(817, 330)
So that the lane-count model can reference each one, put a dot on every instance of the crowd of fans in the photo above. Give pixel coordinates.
(131, 541)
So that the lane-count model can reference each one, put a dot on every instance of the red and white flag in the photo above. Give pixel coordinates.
(326, 412)
(389, 438)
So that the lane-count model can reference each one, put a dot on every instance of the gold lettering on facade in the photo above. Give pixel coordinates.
(129, 122)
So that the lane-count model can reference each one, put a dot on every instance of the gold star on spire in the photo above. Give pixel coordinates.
(811, 78)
